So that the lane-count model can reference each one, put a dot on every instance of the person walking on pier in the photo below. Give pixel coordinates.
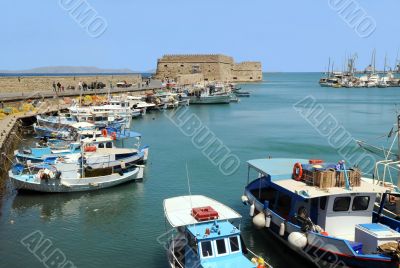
(54, 86)
(59, 86)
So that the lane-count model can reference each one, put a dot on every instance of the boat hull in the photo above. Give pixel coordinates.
(66, 185)
(320, 249)
(217, 99)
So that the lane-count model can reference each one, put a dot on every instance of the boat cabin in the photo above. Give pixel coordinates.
(205, 235)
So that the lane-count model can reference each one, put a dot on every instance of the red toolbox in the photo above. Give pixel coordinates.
(204, 213)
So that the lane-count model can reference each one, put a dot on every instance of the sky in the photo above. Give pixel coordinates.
(285, 35)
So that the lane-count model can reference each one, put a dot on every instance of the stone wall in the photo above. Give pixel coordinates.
(214, 67)
(40, 83)
(189, 79)
(247, 71)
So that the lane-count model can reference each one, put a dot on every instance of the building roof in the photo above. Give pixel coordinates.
(177, 210)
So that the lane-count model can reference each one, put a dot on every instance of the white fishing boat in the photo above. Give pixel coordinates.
(205, 235)
(63, 178)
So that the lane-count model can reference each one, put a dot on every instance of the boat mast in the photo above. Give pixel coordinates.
(328, 74)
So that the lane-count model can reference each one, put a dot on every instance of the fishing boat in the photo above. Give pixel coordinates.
(240, 93)
(56, 122)
(205, 235)
(63, 178)
(97, 152)
(63, 133)
(327, 218)
(137, 102)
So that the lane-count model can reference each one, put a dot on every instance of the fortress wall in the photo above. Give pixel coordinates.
(32, 83)
(213, 67)
(247, 71)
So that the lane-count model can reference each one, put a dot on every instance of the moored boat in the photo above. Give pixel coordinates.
(326, 219)
(205, 235)
(62, 178)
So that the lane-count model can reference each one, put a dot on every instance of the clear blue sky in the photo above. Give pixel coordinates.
(284, 35)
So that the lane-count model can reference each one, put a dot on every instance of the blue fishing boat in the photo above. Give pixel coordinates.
(322, 211)
(205, 235)
(96, 152)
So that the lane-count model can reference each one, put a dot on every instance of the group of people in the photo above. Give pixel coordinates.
(82, 86)
(57, 87)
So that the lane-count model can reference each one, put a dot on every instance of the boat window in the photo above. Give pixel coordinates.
(221, 246)
(322, 202)
(360, 203)
(101, 145)
(206, 249)
(341, 203)
(109, 144)
(234, 243)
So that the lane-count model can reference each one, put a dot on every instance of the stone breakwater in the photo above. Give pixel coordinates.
(12, 129)
(29, 84)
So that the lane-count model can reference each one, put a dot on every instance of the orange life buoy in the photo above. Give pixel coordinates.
(90, 149)
(104, 132)
(114, 136)
(297, 171)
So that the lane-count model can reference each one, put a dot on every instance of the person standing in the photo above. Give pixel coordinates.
(80, 86)
(54, 86)
(59, 86)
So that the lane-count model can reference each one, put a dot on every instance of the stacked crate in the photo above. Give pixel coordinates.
(331, 178)
(354, 176)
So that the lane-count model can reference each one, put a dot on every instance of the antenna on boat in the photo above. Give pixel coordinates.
(188, 182)
(190, 192)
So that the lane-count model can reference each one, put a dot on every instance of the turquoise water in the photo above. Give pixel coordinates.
(119, 227)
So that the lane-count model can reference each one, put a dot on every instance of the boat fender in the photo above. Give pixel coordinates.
(252, 209)
(282, 229)
(104, 132)
(268, 219)
(297, 240)
(39, 175)
(259, 262)
(245, 200)
(259, 220)
(114, 136)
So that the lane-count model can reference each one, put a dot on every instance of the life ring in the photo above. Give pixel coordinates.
(104, 132)
(297, 171)
(114, 136)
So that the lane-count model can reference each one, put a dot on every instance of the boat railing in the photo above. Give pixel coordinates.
(383, 172)
(172, 251)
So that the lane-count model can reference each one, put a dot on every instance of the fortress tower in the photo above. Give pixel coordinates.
(214, 67)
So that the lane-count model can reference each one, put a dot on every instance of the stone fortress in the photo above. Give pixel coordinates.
(187, 69)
